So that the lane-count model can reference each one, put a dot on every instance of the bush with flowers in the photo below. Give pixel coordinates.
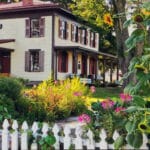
(59, 99)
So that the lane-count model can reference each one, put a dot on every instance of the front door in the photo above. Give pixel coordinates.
(4, 62)
(84, 65)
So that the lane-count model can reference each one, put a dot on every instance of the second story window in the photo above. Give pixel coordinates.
(35, 27)
(84, 36)
(92, 39)
(74, 33)
(63, 29)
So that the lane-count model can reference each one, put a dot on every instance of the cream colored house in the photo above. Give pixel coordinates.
(39, 39)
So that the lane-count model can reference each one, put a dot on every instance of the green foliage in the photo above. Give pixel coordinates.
(10, 87)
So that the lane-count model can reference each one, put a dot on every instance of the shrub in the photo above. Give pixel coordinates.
(60, 98)
(10, 87)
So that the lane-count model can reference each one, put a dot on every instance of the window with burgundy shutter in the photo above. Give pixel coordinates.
(74, 33)
(63, 29)
(63, 62)
(35, 27)
(83, 39)
(34, 60)
(92, 39)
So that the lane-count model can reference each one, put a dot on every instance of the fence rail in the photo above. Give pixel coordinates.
(15, 137)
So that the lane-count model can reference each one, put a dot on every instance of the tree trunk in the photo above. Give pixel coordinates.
(121, 36)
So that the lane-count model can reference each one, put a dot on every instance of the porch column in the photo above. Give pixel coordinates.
(74, 62)
(111, 71)
(55, 65)
(104, 63)
(117, 75)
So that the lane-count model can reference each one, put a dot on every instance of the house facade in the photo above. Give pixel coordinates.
(39, 39)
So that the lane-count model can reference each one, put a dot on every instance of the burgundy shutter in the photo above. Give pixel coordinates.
(66, 62)
(90, 38)
(41, 60)
(27, 61)
(79, 35)
(67, 29)
(86, 36)
(59, 27)
(72, 32)
(95, 40)
(28, 24)
(76, 35)
(42, 26)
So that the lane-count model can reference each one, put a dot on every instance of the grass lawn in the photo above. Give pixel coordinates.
(104, 93)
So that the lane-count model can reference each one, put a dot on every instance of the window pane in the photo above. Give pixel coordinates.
(35, 28)
(34, 61)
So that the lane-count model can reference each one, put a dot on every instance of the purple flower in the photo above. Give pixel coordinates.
(108, 103)
(125, 97)
(84, 118)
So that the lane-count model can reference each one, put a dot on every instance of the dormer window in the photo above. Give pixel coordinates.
(63, 26)
(35, 27)
(74, 33)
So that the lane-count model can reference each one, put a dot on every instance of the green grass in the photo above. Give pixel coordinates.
(107, 92)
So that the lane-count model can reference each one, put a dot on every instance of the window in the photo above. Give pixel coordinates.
(63, 29)
(74, 33)
(92, 39)
(34, 61)
(35, 27)
(84, 36)
(62, 62)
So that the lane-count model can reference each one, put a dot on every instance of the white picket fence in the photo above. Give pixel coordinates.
(13, 137)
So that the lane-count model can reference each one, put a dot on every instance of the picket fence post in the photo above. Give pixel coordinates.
(24, 136)
(78, 139)
(14, 136)
(5, 135)
(56, 131)
(67, 139)
(103, 143)
(90, 141)
(34, 128)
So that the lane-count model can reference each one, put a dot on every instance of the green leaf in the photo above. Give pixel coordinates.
(119, 142)
(138, 101)
(50, 140)
(129, 126)
(135, 139)
(127, 23)
(131, 109)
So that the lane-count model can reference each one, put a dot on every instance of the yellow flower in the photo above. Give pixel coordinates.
(108, 20)
(145, 12)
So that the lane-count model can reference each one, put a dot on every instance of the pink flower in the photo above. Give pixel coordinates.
(77, 93)
(125, 97)
(84, 118)
(55, 82)
(92, 89)
(119, 109)
(106, 104)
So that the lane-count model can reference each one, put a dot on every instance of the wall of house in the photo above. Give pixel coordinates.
(68, 42)
(15, 29)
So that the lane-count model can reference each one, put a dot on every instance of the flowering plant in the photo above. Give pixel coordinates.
(127, 116)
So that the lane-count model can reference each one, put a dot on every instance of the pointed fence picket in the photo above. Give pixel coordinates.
(14, 138)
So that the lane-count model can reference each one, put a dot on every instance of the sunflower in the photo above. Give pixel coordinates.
(108, 19)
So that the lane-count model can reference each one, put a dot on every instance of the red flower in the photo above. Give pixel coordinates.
(92, 89)
(106, 104)
(119, 109)
(125, 97)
